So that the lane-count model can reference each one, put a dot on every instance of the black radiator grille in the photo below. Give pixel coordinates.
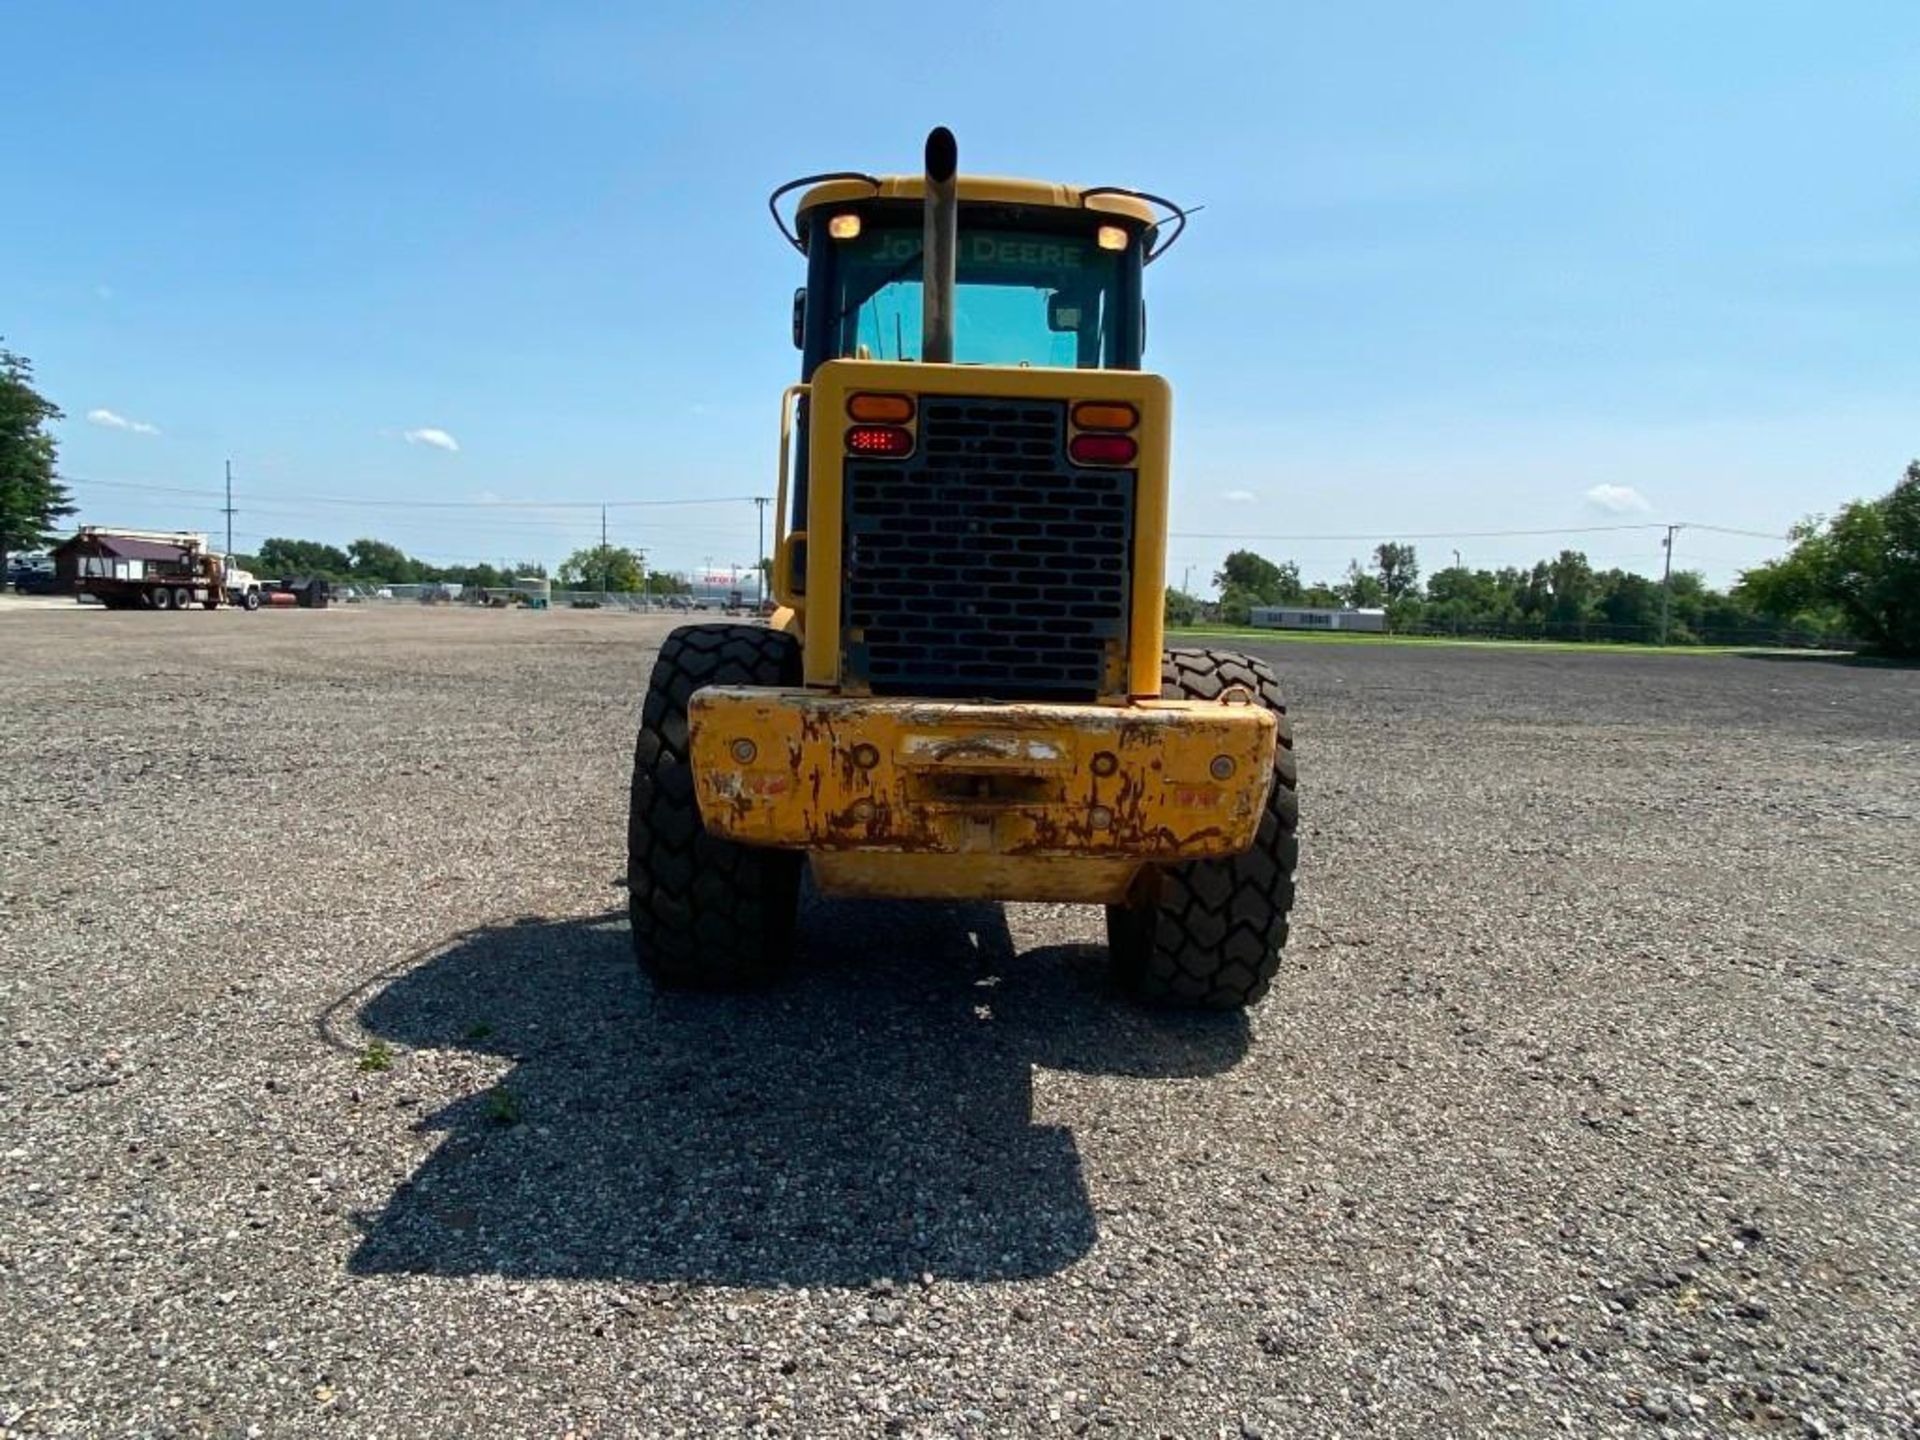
(987, 564)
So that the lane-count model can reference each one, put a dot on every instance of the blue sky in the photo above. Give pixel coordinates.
(1460, 265)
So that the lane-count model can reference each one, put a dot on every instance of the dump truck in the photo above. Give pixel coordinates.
(964, 692)
(154, 570)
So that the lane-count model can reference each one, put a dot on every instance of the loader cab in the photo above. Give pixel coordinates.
(1046, 277)
(1052, 286)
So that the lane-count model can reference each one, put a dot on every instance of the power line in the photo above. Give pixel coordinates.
(277, 501)
(1729, 530)
(1426, 535)
(357, 501)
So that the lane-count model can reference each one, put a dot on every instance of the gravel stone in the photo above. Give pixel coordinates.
(333, 1102)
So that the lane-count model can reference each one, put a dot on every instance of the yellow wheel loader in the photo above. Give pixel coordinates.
(964, 692)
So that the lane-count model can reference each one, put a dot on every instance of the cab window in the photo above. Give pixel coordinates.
(1022, 297)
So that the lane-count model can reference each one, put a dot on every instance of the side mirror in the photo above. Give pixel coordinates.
(1064, 312)
(800, 318)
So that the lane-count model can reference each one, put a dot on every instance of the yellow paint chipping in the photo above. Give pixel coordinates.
(987, 788)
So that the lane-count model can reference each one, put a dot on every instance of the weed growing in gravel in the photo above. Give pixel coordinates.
(376, 1057)
(503, 1106)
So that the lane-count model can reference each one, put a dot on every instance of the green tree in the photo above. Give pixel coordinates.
(1246, 580)
(375, 561)
(1864, 563)
(1182, 608)
(1571, 587)
(1459, 598)
(1628, 600)
(32, 500)
(601, 567)
(1236, 605)
(278, 556)
(1399, 570)
(1258, 579)
(1362, 590)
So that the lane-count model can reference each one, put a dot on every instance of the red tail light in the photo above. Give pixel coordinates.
(887, 441)
(1102, 449)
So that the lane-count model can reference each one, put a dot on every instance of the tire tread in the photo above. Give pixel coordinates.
(707, 912)
(1209, 934)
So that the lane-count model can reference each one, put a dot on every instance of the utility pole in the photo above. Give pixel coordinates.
(1186, 581)
(603, 551)
(1456, 559)
(1666, 583)
(760, 503)
(228, 511)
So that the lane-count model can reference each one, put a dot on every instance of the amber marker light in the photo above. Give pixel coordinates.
(1111, 237)
(887, 409)
(844, 227)
(1105, 415)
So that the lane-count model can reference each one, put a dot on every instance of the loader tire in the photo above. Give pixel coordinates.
(1208, 934)
(707, 913)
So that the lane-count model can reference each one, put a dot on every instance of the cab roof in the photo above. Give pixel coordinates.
(987, 189)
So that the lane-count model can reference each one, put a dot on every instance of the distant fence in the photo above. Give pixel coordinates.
(1599, 632)
(474, 596)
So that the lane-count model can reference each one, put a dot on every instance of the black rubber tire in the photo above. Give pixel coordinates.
(183, 599)
(251, 601)
(161, 598)
(708, 913)
(1207, 935)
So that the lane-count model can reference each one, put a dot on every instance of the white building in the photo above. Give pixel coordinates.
(1307, 617)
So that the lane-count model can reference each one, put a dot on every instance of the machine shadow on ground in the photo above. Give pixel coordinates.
(870, 1118)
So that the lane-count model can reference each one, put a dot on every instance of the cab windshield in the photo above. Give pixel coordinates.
(1022, 297)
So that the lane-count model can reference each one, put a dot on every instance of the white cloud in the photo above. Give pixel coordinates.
(1618, 500)
(1240, 497)
(103, 416)
(429, 435)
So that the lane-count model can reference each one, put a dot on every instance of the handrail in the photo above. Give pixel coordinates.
(782, 582)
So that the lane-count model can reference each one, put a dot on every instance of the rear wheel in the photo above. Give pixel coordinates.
(162, 599)
(707, 912)
(1208, 934)
(183, 599)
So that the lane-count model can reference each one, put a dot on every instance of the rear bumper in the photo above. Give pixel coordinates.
(997, 785)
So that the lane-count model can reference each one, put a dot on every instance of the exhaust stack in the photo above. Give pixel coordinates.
(938, 248)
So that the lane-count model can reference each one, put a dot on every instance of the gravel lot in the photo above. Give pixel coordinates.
(331, 1101)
